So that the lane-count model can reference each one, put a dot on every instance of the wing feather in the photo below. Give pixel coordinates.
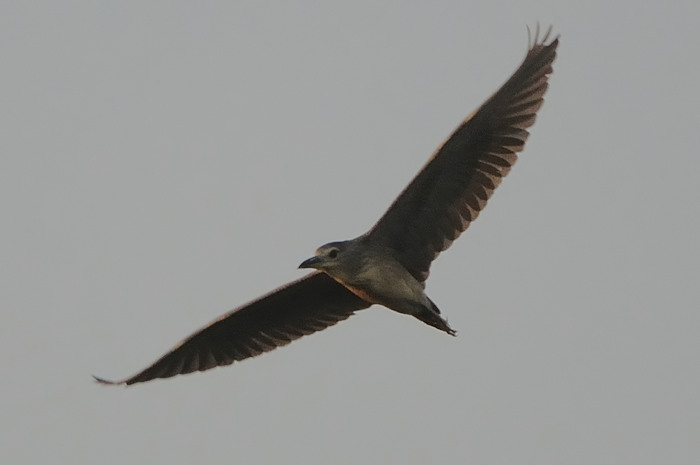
(458, 180)
(302, 307)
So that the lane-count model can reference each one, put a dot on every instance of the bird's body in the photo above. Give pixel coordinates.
(390, 263)
(373, 274)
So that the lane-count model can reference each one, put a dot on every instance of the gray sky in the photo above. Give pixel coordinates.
(164, 162)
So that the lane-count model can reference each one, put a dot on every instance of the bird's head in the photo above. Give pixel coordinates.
(329, 257)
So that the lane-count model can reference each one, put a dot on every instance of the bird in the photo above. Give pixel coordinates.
(389, 264)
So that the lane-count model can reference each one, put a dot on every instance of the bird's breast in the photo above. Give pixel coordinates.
(385, 283)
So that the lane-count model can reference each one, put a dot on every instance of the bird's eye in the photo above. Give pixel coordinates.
(333, 253)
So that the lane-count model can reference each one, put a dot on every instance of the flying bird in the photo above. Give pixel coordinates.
(390, 263)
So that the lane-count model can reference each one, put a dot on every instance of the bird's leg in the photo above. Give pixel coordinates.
(429, 316)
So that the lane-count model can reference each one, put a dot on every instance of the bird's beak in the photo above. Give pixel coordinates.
(312, 262)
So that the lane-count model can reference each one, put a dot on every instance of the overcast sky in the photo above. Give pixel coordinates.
(164, 162)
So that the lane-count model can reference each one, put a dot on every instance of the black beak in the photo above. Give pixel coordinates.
(311, 262)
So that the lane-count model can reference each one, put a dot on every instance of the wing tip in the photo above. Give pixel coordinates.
(107, 382)
(534, 40)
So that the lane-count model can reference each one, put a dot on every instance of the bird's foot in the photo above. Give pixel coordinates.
(436, 321)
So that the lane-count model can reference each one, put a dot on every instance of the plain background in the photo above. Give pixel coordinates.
(163, 162)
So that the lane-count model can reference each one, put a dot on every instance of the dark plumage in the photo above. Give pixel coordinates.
(455, 184)
(389, 264)
(297, 309)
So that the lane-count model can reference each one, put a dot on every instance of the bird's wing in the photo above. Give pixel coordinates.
(302, 307)
(453, 187)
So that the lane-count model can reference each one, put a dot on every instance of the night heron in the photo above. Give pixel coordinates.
(389, 264)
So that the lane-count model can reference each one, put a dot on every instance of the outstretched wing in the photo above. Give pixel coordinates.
(455, 184)
(302, 307)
